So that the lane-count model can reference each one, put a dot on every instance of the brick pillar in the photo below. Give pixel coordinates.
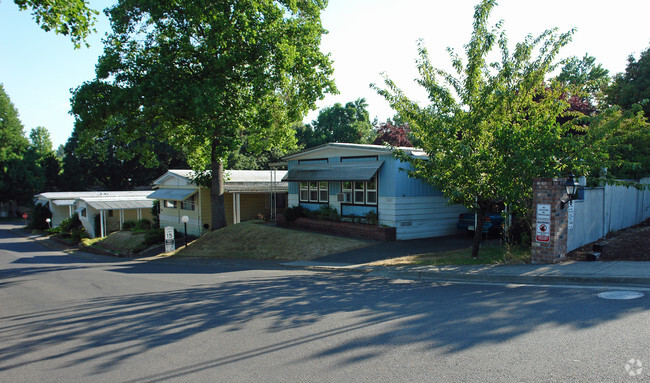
(551, 245)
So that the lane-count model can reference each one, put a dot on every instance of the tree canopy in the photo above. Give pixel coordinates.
(65, 17)
(201, 75)
(492, 127)
(633, 86)
(338, 123)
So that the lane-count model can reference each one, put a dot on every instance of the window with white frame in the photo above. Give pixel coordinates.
(304, 191)
(314, 191)
(323, 191)
(362, 192)
(188, 204)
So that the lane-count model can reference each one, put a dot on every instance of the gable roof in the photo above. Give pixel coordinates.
(92, 194)
(340, 149)
(236, 180)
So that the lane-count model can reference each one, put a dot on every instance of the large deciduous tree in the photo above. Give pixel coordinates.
(201, 74)
(64, 17)
(338, 123)
(633, 86)
(492, 127)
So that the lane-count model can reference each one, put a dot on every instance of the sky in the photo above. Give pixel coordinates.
(366, 38)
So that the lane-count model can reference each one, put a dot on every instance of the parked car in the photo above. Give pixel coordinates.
(492, 223)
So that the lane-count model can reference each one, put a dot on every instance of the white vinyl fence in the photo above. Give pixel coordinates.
(606, 209)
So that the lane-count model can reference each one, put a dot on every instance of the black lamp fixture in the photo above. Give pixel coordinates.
(571, 188)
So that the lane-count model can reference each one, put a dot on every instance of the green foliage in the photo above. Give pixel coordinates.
(37, 216)
(199, 75)
(70, 224)
(293, 213)
(64, 17)
(155, 212)
(154, 236)
(337, 123)
(12, 138)
(584, 74)
(129, 225)
(327, 212)
(372, 217)
(633, 86)
(491, 127)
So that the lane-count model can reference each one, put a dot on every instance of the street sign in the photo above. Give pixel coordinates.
(170, 244)
(543, 232)
(572, 215)
(25, 215)
(543, 223)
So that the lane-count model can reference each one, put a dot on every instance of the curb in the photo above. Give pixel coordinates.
(577, 280)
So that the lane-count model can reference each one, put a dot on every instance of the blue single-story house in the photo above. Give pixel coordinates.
(357, 179)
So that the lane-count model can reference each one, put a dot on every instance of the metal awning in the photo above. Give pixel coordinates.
(172, 194)
(63, 202)
(119, 204)
(345, 171)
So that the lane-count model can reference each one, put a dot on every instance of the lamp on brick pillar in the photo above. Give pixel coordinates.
(571, 187)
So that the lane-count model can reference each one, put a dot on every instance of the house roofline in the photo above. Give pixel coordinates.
(343, 145)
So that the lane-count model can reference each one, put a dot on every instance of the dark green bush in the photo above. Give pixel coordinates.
(128, 225)
(326, 212)
(70, 224)
(37, 216)
(293, 213)
(372, 217)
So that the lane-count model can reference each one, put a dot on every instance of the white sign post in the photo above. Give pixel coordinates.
(543, 224)
(170, 244)
(572, 215)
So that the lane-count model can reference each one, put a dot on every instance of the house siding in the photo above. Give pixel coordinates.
(419, 217)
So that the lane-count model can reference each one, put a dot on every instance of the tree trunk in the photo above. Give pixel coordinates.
(478, 232)
(217, 205)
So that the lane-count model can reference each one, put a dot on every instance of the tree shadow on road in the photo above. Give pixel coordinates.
(107, 331)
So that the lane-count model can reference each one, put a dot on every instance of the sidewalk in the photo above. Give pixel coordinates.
(620, 274)
(624, 274)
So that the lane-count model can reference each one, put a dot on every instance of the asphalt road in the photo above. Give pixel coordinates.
(87, 318)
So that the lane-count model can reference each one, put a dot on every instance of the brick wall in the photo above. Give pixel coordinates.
(346, 229)
(550, 191)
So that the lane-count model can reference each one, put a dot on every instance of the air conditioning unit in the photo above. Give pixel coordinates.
(343, 197)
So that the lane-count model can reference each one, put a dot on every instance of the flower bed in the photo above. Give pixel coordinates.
(347, 229)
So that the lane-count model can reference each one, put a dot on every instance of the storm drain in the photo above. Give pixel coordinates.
(620, 295)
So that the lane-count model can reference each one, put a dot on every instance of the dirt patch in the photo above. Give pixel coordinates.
(631, 244)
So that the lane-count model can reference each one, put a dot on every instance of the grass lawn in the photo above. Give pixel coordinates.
(487, 255)
(253, 239)
(119, 241)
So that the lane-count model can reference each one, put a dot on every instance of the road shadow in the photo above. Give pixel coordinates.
(107, 331)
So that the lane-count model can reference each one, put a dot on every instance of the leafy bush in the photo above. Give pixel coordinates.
(155, 212)
(128, 225)
(372, 217)
(293, 213)
(70, 224)
(326, 212)
(142, 225)
(37, 216)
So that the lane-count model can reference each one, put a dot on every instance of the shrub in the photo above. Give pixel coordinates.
(153, 237)
(128, 225)
(326, 212)
(70, 224)
(293, 213)
(155, 211)
(37, 216)
(372, 217)
(143, 225)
